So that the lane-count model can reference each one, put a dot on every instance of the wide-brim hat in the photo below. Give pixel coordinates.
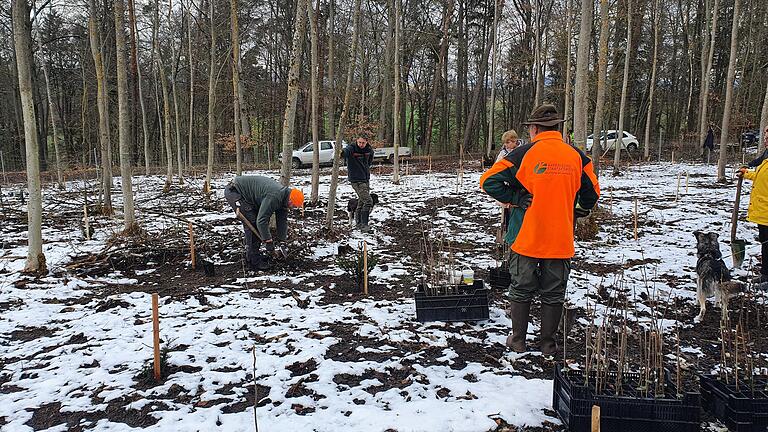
(544, 115)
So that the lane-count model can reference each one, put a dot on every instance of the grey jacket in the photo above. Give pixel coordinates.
(267, 197)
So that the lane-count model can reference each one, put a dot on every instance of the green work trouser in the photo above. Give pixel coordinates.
(531, 276)
(364, 202)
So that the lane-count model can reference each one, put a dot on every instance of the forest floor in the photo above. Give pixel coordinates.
(76, 344)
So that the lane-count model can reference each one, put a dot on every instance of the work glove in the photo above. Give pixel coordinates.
(741, 171)
(270, 246)
(524, 201)
(580, 212)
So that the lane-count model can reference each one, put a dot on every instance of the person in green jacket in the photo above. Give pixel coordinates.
(257, 198)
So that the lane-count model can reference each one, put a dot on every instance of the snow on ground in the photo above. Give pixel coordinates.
(74, 344)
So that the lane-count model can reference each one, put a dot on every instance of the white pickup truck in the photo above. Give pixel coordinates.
(303, 156)
(388, 153)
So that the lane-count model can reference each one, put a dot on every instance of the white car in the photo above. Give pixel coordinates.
(388, 153)
(629, 142)
(303, 156)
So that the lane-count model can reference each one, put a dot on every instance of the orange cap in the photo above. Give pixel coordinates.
(296, 198)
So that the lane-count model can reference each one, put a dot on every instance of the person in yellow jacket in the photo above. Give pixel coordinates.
(758, 207)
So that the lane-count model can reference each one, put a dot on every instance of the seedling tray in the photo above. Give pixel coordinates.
(632, 411)
(452, 302)
(741, 410)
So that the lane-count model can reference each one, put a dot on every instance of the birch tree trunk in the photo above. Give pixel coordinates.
(124, 119)
(315, 102)
(647, 137)
(102, 100)
(55, 123)
(619, 143)
(293, 91)
(343, 119)
(568, 36)
(729, 92)
(396, 105)
(236, 84)
(581, 86)
(704, 122)
(211, 103)
(22, 40)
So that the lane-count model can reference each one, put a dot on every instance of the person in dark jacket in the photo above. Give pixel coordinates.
(359, 157)
(764, 155)
(258, 198)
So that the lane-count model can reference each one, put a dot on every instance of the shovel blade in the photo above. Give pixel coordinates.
(738, 249)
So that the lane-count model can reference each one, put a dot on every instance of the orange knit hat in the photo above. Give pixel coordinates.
(296, 198)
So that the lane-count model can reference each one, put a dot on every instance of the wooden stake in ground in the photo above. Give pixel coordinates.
(156, 334)
(673, 157)
(686, 182)
(255, 393)
(595, 418)
(365, 267)
(635, 219)
(677, 191)
(192, 245)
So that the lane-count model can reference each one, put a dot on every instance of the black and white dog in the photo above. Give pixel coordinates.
(352, 207)
(712, 276)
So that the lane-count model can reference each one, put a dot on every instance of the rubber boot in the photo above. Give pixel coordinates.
(357, 220)
(364, 214)
(550, 321)
(519, 313)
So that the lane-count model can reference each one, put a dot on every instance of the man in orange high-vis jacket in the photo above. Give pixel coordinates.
(563, 184)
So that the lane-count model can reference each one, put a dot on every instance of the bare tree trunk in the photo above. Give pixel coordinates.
(55, 122)
(176, 118)
(764, 115)
(124, 116)
(102, 100)
(396, 105)
(293, 91)
(601, 77)
(729, 92)
(236, 84)
(622, 107)
(331, 84)
(22, 39)
(647, 137)
(343, 119)
(315, 102)
(438, 77)
(581, 86)
(568, 37)
(476, 92)
(191, 86)
(704, 122)
(166, 101)
(144, 126)
(492, 110)
(211, 102)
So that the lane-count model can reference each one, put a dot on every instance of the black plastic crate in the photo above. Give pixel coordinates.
(499, 278)
(573, 401)
(462, 303)
(741, 410)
